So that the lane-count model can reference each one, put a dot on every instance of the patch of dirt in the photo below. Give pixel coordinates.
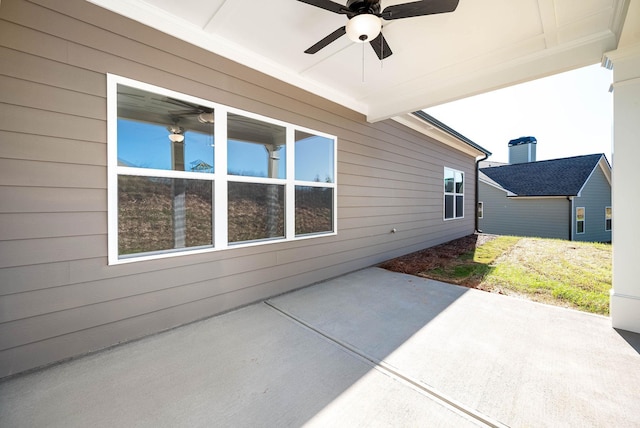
(441, 256)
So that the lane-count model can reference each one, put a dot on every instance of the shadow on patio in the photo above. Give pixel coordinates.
(365, 348)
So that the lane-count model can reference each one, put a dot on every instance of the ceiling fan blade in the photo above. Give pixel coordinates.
(380, 47)
(419, 8)
(183, 112)
(324, 42)
(327, 5)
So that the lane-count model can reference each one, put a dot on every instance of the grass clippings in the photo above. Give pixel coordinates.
(563, 273)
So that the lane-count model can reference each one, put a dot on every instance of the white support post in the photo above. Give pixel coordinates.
(625, 294)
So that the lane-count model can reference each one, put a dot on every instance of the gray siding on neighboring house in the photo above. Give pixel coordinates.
(58, 296)
(540, 217)
(595, 196)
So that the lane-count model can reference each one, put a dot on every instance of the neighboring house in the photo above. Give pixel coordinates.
(567, 198)
(148, 183)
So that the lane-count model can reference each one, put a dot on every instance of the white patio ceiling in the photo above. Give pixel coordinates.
(483, 45)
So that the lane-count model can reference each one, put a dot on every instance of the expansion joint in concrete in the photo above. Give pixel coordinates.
(390, 371)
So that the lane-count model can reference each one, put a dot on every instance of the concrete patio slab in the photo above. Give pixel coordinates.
(519, 362)
(249, 368)
(372, 348)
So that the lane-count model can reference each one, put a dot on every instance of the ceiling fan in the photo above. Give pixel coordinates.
(202, 114)
(365, 20)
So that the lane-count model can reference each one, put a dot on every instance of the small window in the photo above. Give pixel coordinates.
(580, 214)
(453, 194)
(480, 209)
(608, 217)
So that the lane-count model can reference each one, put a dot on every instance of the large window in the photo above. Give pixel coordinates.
(580, 214)
(608, 218)
(453, 194)
(187, 175)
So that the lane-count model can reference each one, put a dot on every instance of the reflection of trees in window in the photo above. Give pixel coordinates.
(314, 210)
(147, 213)
(256, 211)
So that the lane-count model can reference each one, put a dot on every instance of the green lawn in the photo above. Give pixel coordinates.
(572, 274)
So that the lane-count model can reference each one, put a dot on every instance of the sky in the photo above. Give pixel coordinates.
(146, 145)
(570, 114)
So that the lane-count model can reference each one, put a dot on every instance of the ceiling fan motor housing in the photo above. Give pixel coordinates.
(364, 6)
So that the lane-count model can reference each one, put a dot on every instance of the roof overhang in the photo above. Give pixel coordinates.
(427, 125)
(482, 46)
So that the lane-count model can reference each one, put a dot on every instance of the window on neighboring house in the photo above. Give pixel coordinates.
(175, 188)
(580, 214)
(608, 216)
(480, 209)
(453, 194)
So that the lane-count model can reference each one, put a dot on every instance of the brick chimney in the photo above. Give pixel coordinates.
(522, 150)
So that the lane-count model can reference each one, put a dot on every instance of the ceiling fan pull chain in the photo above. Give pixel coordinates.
(362, 61)
(381, 49)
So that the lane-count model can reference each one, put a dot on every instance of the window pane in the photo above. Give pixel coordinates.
(608, 213)
(256, 211)
(608, 224)
(314, 158)
(448, 206)
(314, 210)
(480, 209)
(448, 181)
(580, 228)
(158, 214)
(255, 148)
(459, 206)
(160, 132)
(579, 214)
(459, 182)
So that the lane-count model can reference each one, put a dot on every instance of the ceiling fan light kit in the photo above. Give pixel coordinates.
(176, 135)
(176, 138)
(363, 28)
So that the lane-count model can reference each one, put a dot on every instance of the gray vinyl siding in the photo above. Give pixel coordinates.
(544, 218)
(58, 296)
(594, 197)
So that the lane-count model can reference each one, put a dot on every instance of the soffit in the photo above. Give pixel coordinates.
(482, 46)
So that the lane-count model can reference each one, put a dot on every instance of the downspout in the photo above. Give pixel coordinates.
(477, 190)
(570, 199)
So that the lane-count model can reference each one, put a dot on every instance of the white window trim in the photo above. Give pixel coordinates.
(220, 179)
(605, 218)
(445, 194)
(584, 221)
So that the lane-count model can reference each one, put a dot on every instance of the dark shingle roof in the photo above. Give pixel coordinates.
(557, 177)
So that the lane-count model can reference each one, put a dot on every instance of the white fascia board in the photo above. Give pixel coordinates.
(496, 186)
(606, 169)
(419, 125)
